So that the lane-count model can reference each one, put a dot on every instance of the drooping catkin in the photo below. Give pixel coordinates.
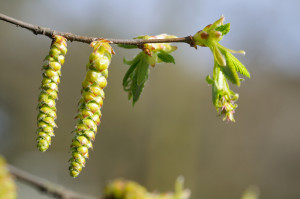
(91, 101)
(49, 89)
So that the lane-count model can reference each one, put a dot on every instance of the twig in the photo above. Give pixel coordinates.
(42, 185)
(39, 30)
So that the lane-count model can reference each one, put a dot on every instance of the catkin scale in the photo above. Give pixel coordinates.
(89, 113)
(49, 88)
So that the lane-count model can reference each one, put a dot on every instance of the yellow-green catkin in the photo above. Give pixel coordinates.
(91, 101)
(49, 89)
(7, 184)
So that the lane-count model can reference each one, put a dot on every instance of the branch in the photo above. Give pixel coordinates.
(39, 30)
(42, 185)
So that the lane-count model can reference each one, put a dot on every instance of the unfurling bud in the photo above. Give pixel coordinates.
(219, 57)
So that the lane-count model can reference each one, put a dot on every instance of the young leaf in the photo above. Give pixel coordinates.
(126, 79)
(230, 73)
(219, 57)
(136, 92)
(215, 95)
(166, 57)
(136, 76)
(142, 70)
(209, 80)
(229, 70)
(132, 68)
(224, 29)
(136, 59)
(239, 67)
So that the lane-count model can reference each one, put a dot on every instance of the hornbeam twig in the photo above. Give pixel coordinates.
(44, 186)
(39, 30)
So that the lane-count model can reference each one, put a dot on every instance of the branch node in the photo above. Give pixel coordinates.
(43, 31)
(192, 42)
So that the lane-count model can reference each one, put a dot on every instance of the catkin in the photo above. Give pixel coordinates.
(91, 101)
(49, 89)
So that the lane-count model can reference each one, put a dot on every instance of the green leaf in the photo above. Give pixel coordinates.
(231, 74)
(126, 79)
(134, 60)
(127, 46)
(224, 29)
(142, 70)
(209, 80)
(239, 67)
(136, 92)
(215, 95)
(229, 70)
(136, 76)
(166, 57)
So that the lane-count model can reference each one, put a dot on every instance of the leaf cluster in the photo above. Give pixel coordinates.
(136, 76)
(233, 66)
(138, 73)
(224, 29)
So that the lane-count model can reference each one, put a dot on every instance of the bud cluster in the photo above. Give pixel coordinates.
(226, 66)
(89, 113)
(123, 189)
(152, 49)
(49, 90)
(223, 98)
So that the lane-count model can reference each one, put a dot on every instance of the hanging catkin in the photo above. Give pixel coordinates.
(91, 101)
(49, 88)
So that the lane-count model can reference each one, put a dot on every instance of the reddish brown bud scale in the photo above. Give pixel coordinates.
(204, 35)
(218, 34)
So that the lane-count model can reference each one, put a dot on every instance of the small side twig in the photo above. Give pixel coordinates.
(39, 30)
(44, 186)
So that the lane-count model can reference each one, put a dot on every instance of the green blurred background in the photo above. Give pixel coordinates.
(173, 129)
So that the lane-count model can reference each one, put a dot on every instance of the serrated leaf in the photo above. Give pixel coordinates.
(136, 90)
(229, 70)
(127, 77)
(128, 74)
(224, 29)
(134, 60)
(142, 70)
(127, 46)
(230, 74)
(239, 67)
(136, 93)
(166, 57)
(136, 76)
